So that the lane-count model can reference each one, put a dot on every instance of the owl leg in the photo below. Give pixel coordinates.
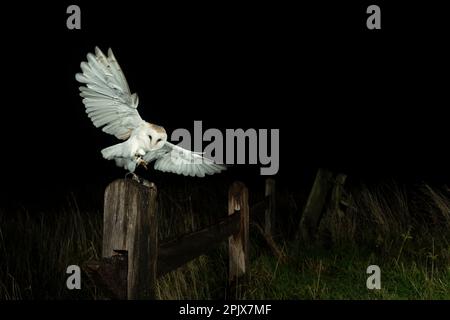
(139, 180)
(143, 163)
(139, 161)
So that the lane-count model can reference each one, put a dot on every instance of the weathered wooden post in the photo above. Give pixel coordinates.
(130, 227)
(270, 206)
(336, 195)
(315, 205)
(238, 243)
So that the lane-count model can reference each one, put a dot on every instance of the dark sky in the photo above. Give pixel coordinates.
(370, 103)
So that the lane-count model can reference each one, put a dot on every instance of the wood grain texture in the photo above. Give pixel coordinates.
(130, 225)
(238, 243)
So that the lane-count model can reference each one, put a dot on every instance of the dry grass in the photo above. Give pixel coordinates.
(393, 215)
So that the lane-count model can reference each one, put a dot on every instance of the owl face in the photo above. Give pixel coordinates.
(157, 136)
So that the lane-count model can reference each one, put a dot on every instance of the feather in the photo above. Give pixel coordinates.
(117, 71)
(106, 95)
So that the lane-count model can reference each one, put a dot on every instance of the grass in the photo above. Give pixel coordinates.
(341, 274)
(404, 231)
(318, 274)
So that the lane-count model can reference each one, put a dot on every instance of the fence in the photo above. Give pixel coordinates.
(132, 258)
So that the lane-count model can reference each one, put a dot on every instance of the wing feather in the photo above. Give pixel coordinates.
(175, 159)
(106, 95)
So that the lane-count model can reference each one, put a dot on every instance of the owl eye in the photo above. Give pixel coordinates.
(158, 140)
(150, 137)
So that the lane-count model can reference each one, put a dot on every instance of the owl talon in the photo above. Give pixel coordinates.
(142, 163)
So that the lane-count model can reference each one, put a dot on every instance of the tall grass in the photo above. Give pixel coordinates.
(394, 219)
(37, 248)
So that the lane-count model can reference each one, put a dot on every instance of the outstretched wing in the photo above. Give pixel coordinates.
(106, 95)
(175, 159)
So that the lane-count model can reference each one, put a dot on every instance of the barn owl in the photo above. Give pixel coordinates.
(111, 106)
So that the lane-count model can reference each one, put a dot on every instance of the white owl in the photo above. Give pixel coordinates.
(110, 104)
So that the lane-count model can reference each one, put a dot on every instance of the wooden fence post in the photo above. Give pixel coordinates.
(315, 205)
(238, 243)
(270, 206)
(132, 259)
(336, 196)
(130, 226)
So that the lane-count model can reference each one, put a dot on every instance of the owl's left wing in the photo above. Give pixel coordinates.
(175, 159)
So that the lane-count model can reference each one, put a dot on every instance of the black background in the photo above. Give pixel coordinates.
(371, 103)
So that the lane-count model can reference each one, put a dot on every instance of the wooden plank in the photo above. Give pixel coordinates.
(315, 205)
(176, 252)
(130, 226)
(143, 243)
(270, 208)
(238, 243)
(116, 217)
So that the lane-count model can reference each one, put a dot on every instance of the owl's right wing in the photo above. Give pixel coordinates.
(106, 95)
(175, 159)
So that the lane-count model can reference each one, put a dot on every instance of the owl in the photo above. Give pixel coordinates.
(111, 106)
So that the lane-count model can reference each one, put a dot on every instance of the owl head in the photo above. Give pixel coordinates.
(157, 136)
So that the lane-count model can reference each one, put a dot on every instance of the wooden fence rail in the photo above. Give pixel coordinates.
(132, 258)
